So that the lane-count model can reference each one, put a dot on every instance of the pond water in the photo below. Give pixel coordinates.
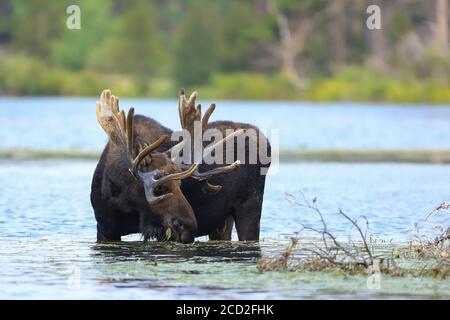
(61, 123)
(47, 226)
(48, 248)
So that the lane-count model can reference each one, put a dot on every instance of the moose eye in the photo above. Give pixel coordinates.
(157, 175)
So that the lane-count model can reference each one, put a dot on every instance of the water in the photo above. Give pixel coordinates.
(47, 226)
(48, 248)
(60, 123)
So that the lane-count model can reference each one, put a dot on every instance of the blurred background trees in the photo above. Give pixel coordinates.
(255, 49)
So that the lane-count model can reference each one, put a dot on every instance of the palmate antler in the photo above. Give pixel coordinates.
(189, 114)
(120, 129)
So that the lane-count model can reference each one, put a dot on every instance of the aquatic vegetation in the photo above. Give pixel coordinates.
(167, 235)
(435, 251)
(280, 262)
(329, 253)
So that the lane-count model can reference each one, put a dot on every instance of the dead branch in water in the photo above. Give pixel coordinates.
(356, 255)
(334, 251)
(442, 206)
(440, 244)
(330, 252)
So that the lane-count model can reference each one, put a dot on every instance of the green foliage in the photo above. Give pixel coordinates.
(348, 84)
(363, 84)
(198, 45)
(35, 24)
(249, 86)
(400, 25)
(72, 50)
(301, 6)
(15, 79)
(134, 48)
(432, 65)
(137, 49)
(226, 48)
(242, 33)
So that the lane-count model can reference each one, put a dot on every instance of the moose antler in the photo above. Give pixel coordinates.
(120, 129)
(110, 118)
(189, 114)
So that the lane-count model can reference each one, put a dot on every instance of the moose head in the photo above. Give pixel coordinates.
(148, 181)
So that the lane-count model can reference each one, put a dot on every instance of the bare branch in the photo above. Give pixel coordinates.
(332, 251)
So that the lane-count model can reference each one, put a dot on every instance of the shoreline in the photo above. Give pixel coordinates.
(432, 156)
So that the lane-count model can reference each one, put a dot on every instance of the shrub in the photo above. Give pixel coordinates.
(249, 86)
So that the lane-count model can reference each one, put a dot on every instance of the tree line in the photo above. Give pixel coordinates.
(199, 42)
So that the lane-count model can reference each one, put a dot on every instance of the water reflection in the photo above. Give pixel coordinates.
(199, 252)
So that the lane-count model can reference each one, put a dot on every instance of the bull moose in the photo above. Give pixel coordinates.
(139, 187)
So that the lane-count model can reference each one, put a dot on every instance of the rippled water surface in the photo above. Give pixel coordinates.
(48, 249)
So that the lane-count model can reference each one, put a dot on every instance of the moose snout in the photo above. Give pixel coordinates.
(184, 231)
